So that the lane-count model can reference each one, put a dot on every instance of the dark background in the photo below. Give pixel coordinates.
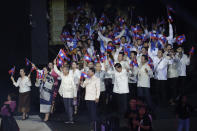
(16, 33)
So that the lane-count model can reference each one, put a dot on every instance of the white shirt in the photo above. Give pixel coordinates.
(117, 53)
(106, 40)
(133, 75)
(139, 58)
(76, 74)
(143, 76)
(107, 75)
(92, 86)
(24, 84)
(124, 64)
(67, 88)
(183, 62)
(173, 69)
(120, 81)
(90, 50)
(160, 66)
(101, 76)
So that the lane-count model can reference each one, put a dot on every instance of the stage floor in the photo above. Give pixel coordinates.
(34, 123)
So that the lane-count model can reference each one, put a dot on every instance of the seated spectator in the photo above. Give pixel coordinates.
(143, 122)
(8, 123)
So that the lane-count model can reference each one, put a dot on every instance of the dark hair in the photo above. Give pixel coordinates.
(145, 57)
(110, 42)
(168, 45)
(179, 46)
(92, 69)
(134, 52)
(83, 36)
(23, 69)
(78, 31)
(118, 65)
(162, 50)
(123, 37)
(89, 39)
(122, 53)
(146, 48)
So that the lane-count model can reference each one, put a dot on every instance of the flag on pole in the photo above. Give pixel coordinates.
(103, 58)
(33, 68)
(169, 8)
(60, 62)
(121, 20)
(40, 74)
(84, 75)
(27, 62)
(180, 39)
(96, 60)
(116, 41)
(12, 71)
(191, 52)
(170, 17)
(150, 63)
(102, 19)
(111, 62)
(140, 19)
(134, 63)
(153, 36)
(135, 29)
(62, 54)
(163, 39)
(87, 58)
(110, 48)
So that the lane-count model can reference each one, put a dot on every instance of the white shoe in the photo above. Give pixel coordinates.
(71, 122)
(66, 122)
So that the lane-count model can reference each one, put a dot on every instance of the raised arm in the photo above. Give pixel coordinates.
(16, 84)
(56, 69)
(149, 71)
(117, 53)
(103, 38)
(152, 53)
(121, 34)
(170, 37)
